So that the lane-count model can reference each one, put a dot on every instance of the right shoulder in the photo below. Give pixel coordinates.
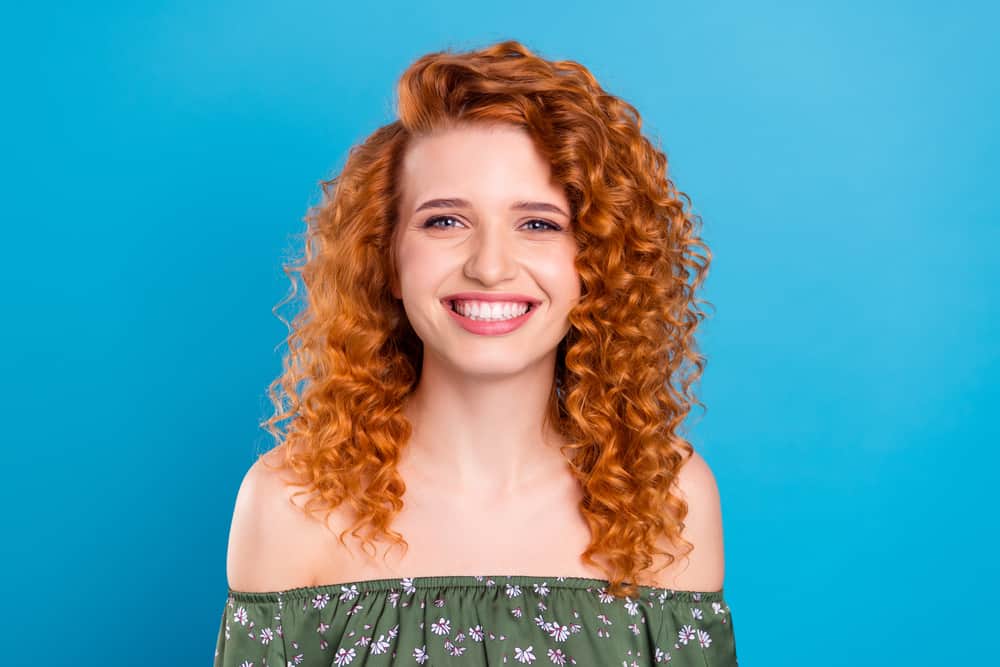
(272, 542)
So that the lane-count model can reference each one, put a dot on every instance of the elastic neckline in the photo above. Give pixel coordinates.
(404, 584)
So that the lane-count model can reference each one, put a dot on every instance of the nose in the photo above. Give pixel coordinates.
(491, 257)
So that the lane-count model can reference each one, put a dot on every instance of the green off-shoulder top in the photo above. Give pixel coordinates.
(473, 621)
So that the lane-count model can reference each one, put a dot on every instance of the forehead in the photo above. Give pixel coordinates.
(481, 163)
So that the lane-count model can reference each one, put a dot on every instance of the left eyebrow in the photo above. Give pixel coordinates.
(516, 206)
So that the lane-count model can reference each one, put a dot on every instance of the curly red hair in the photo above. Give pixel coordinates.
(623, 372)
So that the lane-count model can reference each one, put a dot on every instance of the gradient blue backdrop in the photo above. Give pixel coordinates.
(158, 159)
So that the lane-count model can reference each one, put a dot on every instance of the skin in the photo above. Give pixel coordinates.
(478, 411)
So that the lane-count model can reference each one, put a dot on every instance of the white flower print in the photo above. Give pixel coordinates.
(558, 632)
(452, 649)
(361, 643)
(524, 655)
(441, 627)
(380, 646)
(631, 606)
(556, 656)
(344, 656)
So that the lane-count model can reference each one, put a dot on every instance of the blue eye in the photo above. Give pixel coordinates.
(554, 227)
(430, 222)
(433, 221)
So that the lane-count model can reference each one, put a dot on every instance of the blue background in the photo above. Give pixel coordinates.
(159, 158)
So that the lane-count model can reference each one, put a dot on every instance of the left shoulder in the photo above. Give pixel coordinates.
(704, 568)
(697, 482)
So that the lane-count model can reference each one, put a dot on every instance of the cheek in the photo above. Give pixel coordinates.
(561, 279)
(419, 271)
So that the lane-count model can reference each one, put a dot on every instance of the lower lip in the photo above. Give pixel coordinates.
(484, 328)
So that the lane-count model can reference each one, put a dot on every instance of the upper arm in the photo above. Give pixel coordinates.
(704, 568)
(265, 538)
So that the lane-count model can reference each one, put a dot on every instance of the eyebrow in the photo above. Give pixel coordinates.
(516, 206)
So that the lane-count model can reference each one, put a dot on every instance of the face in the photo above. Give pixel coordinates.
(488, 242)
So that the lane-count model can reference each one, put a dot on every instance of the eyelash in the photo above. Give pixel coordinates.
(430, 222)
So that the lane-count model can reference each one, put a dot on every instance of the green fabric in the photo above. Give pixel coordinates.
(472, 620)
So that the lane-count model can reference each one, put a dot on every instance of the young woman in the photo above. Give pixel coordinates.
(490, 371)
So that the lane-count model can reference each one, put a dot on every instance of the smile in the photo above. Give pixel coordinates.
(491, 327)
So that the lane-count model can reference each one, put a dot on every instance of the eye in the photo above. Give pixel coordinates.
(553, 226)
(432, 222)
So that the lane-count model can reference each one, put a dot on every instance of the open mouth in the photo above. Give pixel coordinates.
(454, 307)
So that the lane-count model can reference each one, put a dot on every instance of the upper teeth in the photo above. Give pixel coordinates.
(492, 310)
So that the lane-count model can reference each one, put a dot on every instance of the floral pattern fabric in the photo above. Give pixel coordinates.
(473, 621)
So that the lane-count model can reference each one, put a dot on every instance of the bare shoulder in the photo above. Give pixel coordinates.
(704, 568)
(270, 538)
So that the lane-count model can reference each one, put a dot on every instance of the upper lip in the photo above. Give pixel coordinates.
(492, 296)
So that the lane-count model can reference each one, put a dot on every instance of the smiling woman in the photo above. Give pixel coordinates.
(494, 359)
